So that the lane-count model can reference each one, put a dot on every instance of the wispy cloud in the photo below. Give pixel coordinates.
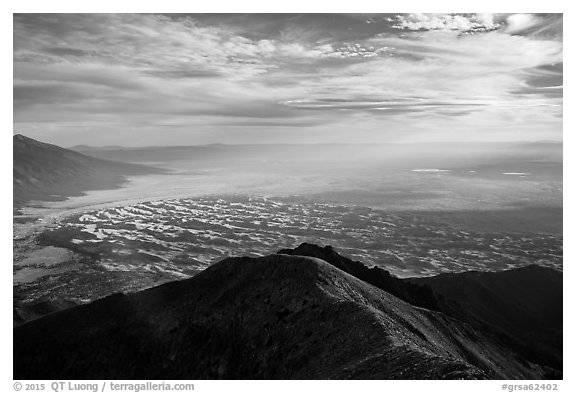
(343, 77)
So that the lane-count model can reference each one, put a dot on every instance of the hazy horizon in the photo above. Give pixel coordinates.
(255, 143)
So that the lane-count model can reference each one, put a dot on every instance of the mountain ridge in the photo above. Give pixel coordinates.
(274, 317)
(521, 306)
(46, 172)
(524, 305)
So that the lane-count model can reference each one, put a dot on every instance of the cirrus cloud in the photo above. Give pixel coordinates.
(335, 75)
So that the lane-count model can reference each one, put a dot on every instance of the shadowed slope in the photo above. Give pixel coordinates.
(278, 316)
(523, 303)
(47, 172)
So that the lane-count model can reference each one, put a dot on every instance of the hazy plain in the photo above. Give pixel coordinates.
(441, 178)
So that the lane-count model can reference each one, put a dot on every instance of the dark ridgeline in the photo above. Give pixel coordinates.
(307, 313)
(46, 172)
(417, 295)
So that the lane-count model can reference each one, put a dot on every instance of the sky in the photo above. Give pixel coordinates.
(178, 79)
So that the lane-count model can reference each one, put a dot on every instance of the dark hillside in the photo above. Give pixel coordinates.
(46, 172)
(525, 304)
(274, 317)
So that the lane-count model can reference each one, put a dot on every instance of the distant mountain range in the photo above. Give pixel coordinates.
(441, 154)
(305, 313)
(46, 172)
